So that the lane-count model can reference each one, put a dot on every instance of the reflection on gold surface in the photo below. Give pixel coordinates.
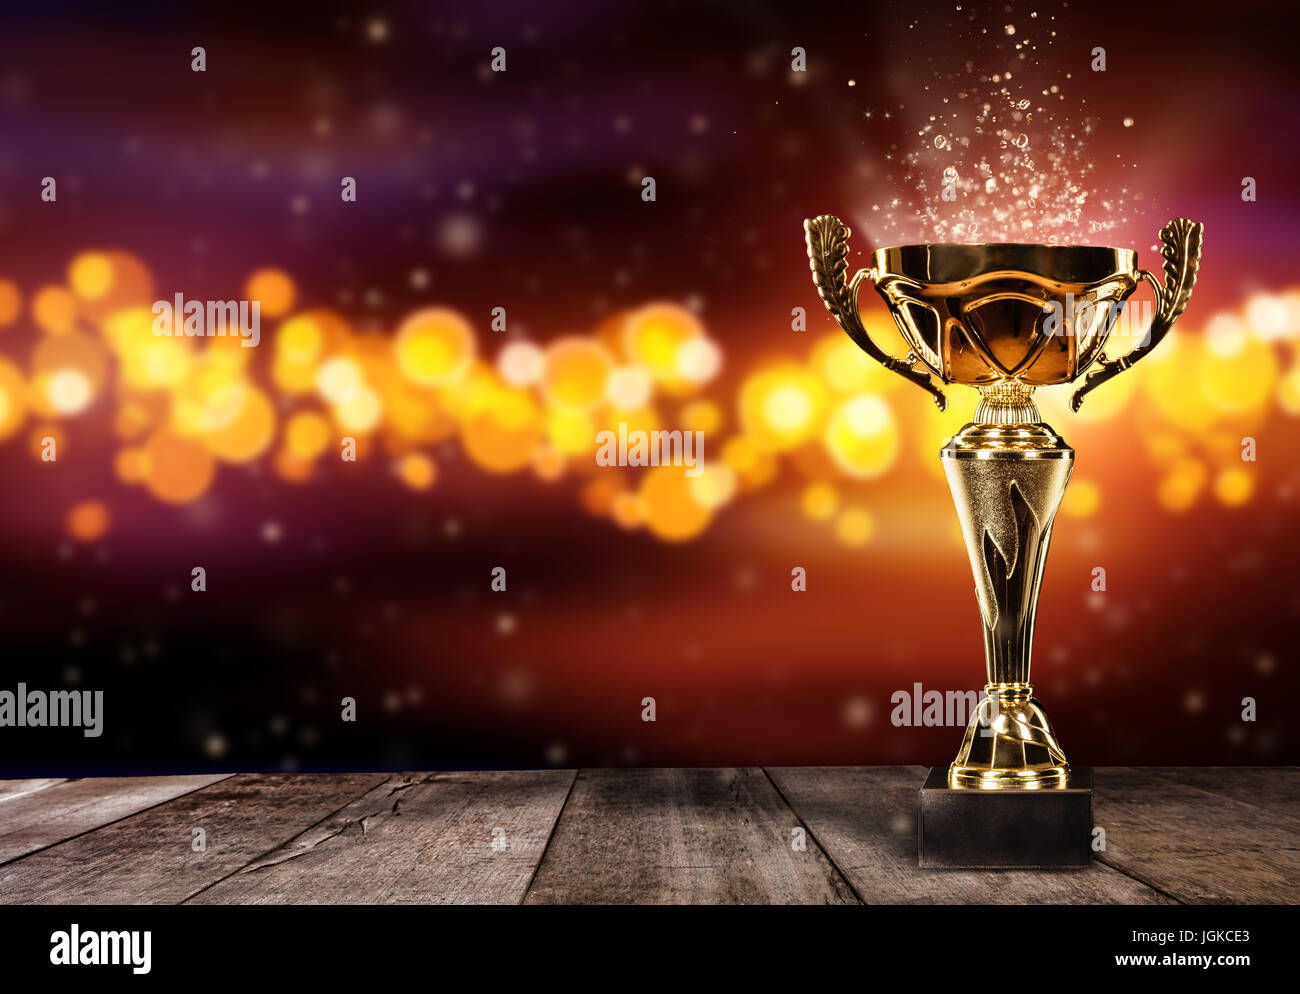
(1008, 318)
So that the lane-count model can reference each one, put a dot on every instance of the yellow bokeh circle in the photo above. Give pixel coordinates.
(177, 469)
(847, 369)
(274, 290)
(654, 336)
(1173, 383)
(306, 435)
(434, 346)
(417, 471)
(1181, 486)
(577, 374)
(854, 526)
(714, 484)
(91, 275)
(571, 432)
(1234, 486)
(54, 310)
(862, 436)
(503, 433)
(671, 510)
(248, 429)
(360, 411)
(1240, 381)
(301, 339)
(88, 520)
(782, 407)
(819, 501)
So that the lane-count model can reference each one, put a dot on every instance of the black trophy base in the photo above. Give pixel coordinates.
(971, 828)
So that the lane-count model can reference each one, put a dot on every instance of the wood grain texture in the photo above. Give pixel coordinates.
(1224, 835)
(9, 789)
(1188, 834)
(865, 819)
(1272, 788)
(147, 858)
(440, 838)
(681, 836)
(35, 814)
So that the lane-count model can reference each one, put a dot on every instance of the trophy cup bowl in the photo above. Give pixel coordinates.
(1006, 319)
(981, 314)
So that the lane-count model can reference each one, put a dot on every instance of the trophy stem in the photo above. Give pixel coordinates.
(1007, 480)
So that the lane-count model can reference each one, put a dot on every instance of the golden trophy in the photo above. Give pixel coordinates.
(1006, 318)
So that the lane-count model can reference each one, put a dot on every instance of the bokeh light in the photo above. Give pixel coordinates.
(835, 420)
(434, 346)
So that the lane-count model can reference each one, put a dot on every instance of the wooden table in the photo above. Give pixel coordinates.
(1225, 835)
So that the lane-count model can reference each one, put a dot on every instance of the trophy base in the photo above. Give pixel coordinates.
(975, 828)
(1009, 744)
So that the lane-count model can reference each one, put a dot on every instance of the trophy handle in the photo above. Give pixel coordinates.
(828, 257)
(1180, 245)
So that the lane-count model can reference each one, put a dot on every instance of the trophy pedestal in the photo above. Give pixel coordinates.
(1007, 319)
(981, 828)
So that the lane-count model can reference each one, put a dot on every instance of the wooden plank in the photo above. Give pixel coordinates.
(33, 817)
(9, 789)
(441, 838)
(683, 836)
(1198, 845)
(1274, 788)
(865, 819)
(628, 836)
(148, 858)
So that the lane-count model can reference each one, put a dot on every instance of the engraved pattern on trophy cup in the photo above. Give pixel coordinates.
(1006, 502)
(1012, 578)
(1006, 507)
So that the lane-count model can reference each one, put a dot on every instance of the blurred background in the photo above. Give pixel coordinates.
(522, 190)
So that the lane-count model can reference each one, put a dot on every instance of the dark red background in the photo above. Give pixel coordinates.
(368, 596)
